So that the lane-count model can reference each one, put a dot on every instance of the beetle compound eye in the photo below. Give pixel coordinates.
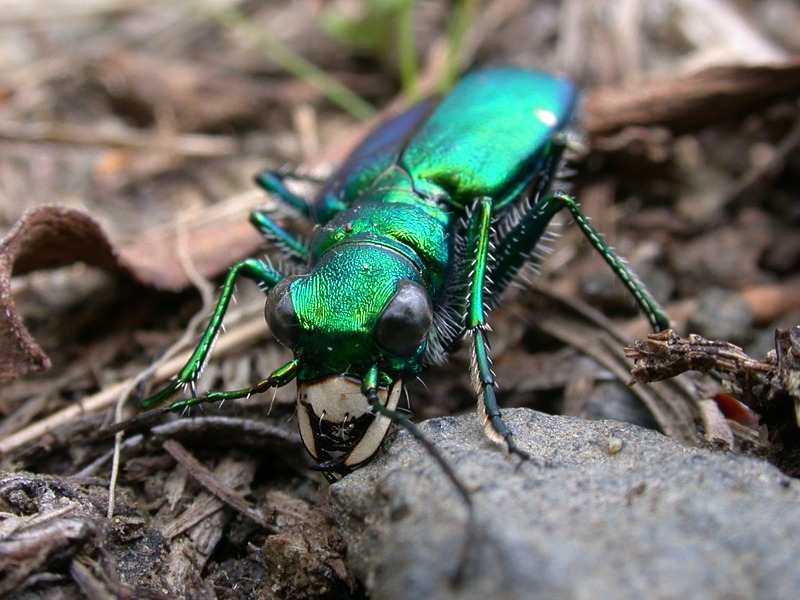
(405, 320)
(280, 315)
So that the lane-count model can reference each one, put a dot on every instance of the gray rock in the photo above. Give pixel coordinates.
(606, 510)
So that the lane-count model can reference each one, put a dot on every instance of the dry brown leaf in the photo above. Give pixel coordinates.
(44, 237)
(47, 237)
(214, 246)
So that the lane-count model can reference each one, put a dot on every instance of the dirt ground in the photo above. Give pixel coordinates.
(129, 136)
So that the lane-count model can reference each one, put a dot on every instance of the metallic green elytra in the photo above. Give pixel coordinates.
(418, 234)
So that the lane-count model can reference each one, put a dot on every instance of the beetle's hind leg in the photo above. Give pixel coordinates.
(477, 251)
(260, 272)
(518, 243)
(273, 182)
(289, 245)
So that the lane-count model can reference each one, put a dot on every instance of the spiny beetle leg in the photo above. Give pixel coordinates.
(266, 277)
(272, 182)
(166, 393)
(280, 238)
(478, 241)
(483, 380)
(278, 378)
(516, 246)
(651, 308)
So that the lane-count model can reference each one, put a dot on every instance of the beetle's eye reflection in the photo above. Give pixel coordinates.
(406, 319)
(280, 315)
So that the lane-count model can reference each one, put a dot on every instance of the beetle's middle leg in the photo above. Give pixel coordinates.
(477, 251)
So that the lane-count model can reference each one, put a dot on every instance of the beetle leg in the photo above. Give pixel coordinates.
(272, 182)
(260, 272)
(515, 247)
(278, 378)
(478, 241)
(292, 247)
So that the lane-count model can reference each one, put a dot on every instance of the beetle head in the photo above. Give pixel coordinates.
(361, 307)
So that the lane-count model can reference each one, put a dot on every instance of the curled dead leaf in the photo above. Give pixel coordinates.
(44, 237)
(52, 236)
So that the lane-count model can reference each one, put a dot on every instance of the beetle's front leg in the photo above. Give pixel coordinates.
(478, 242)
(260, 272)
(369, 387)
(278, 378)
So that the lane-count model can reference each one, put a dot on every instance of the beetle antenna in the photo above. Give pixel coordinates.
(430, 448)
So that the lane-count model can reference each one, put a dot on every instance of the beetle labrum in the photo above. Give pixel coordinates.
(417, 235)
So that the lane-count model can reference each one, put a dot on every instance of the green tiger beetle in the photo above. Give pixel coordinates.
(417, 235)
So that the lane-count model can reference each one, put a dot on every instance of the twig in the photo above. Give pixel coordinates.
(768, 169)
(186, 144)
(718, 432)
(244, 334)
(207, 479)
(764, 385)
